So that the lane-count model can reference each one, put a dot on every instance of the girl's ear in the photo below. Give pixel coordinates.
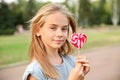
(38, 31)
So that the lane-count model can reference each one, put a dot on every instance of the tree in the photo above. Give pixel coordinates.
(18, 10)
(6, 19)
(72, 6)
(99, 14)
(119, 10)
(118, 3)
(84, 12)
(30, 9)
(115, 17)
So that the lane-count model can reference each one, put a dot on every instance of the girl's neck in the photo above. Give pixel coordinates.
(52, 52)
(57, 59)
(54, 56)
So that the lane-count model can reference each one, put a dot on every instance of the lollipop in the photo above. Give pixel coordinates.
(78, 40)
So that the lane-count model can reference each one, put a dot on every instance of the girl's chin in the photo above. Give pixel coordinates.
(57, 46)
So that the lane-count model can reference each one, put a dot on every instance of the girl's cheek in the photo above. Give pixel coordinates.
(66, 35)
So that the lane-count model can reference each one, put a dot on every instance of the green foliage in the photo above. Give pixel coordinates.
(70, 7)
(6, 20)
(100, 15)
(7, 31)
(118, 4)
(19, 11)
(84, 12)
(30, 9)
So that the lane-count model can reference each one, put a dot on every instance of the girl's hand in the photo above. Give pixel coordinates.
(77, 72)
(81, 68)
(85, 63)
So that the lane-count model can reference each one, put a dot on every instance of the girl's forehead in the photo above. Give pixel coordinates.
(57, 18)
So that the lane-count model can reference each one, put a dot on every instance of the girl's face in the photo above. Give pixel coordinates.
(55, 30)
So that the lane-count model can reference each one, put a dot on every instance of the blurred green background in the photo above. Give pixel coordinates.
(99, 19)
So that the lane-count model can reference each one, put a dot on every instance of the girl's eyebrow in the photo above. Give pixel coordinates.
(58, 25)
(54, 24)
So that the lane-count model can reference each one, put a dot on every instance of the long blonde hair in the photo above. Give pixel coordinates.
(37, 49)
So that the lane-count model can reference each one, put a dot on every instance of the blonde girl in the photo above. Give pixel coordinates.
(49, 50)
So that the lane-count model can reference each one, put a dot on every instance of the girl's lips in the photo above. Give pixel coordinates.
(59, 41)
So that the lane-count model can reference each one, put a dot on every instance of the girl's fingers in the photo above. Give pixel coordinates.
(86, 68)
(83, 60)
(81, 57)
(86, 65)
(79, 67)
(81, 72)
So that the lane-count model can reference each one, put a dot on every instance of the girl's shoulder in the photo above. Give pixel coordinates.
(35, 70)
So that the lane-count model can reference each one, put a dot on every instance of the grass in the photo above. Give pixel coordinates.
(14, 48)
(102, 37)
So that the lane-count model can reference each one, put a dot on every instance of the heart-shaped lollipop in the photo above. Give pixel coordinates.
(78, 40)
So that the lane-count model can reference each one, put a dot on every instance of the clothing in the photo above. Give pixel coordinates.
(64, 69)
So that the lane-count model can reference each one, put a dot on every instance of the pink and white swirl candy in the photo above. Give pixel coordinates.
(78, 40)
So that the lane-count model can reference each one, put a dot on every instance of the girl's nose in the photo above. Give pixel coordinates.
(59, 33)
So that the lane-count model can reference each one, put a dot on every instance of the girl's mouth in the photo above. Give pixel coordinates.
(59, 41)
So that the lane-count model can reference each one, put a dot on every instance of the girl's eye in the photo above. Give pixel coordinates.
(64, 29)
(53, 28)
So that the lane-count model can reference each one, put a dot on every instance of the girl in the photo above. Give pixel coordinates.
(49, 50)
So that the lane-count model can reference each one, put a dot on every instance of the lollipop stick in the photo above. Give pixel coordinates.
(77, 51)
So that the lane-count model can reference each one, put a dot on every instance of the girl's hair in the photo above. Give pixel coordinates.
(37, 49)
